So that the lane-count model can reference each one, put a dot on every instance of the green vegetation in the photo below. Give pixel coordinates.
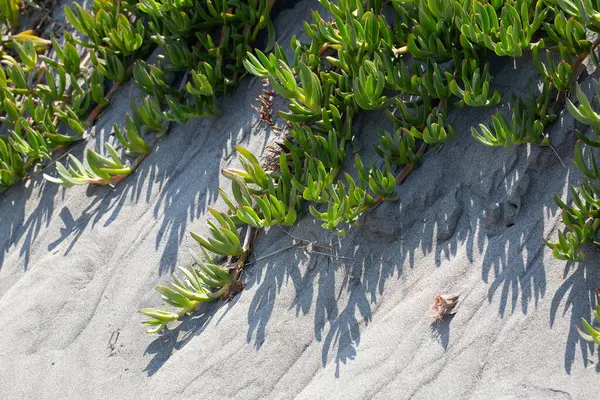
(582, 218)
(432, 58)
(588, 332)
(50, 102)
(415, 59)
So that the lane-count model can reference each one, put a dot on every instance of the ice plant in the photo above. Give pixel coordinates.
(100, 170)
(526, 124)
(587, 331)
(582, 217)
(200, 283)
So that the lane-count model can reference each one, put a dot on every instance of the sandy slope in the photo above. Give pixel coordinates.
(77, 264)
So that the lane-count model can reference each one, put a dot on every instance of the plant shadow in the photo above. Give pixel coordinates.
(176, 193)
(176, 338)
(578, 294)
(166, 170)
(496, 216)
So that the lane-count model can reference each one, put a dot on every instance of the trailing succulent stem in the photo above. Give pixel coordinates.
(102, 170)
(526, 124)
(200, 283)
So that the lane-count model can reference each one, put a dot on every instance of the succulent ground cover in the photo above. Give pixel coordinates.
(426, 58)
(49, 103)
(414, 59)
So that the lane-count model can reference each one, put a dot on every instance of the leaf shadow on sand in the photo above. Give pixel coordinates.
(578, 294)
(495, 216)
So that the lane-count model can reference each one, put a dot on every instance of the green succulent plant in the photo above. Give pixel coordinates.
(62, 89)
(582, 218)
(433, 82)
(476, 92)
(435, 130)
(584, 112)
(85, 22)
(314, 182)
(431, 38)
(381, 181)
(28, 142)
(101, 170)
(267, 211)
(200, 283)
(587, 11)
(343, 206)
(508, 33)
(97, 89)
(68, 58)
(16, 75)
(527, 123)
(201, 89)
(12, 167)
(431, 60)
(148, 115)
(569, 33)
(151, 80)
(125, 37)
(131, 139)
(398, 147)
(9, 12)
(178, 55)
(27, 54)
(561, 74)
(110, 65)
(70, 117)
(582, 221)
(368, 88)
(587, 331)
(55, 87)
(329, 148)
(252, 171)
(224, 239)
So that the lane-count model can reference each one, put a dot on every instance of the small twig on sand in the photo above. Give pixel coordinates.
(274, 253)
(66, 153)
(303, 243)
(334, 256)
(559, 159)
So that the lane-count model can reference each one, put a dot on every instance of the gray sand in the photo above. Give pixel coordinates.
(76, 266)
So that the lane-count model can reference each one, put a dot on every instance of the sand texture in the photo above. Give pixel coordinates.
(76, 266)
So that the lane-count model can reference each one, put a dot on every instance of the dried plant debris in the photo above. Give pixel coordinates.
(265, 111)
(443, 304)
